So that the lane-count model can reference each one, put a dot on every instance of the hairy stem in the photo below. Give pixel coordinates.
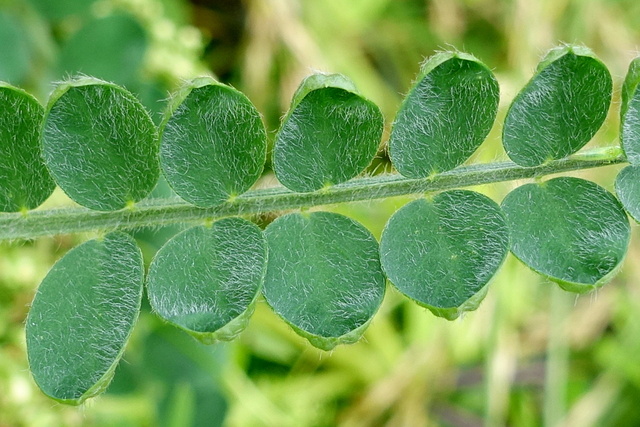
(157, 212)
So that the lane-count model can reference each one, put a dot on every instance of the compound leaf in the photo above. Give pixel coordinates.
(206, 280)
(323, 276)
(628, 190)
(442, 252)
(630, 113)
(82, 316)
(100, 144)
(213, 143)
(560, 109)
(24, 180)
(568, 229)
(329, 135)
(445, 117)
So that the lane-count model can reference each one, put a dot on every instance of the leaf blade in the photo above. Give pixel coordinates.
(82, 316)
(323, 276)
(206, 280)
(445, 117)
(442, 253)
(25, 182)
(213, 143)
(560, 109)
(329, 135)
(568, 229)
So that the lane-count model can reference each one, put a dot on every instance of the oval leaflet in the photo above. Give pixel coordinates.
(323, 276)
(100, 144)
(329, 135)
(82, 316)
(213, 143)
(441, 253)
(206, 280)
(571, 230)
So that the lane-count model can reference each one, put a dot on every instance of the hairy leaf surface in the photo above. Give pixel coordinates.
(329, 135)
(628, 190)
(24, 180)
(560, 109)
(100, 144)
(206, 279)
(445, 117)
(82, 316)
(568, 229)
(442, 252)
(630, 113)
(213, 143)
(323, 276)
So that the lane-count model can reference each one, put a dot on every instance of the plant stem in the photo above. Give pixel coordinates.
(157, 212)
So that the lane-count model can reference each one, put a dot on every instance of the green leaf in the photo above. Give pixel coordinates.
(100, 144)
(206, 279)
(14, 53)
(628, 190)
(329, 135)
(323, 276)
(57, 10)
(568, 229)
(82, 316)
(24, 180)
(630, 113)
(110, 48)
(213, 143)
(442, 252)
(560, 109)
(445, 117)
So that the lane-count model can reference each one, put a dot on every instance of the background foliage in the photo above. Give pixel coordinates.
(531, 354)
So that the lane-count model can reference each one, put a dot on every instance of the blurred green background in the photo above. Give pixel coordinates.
(531, 355)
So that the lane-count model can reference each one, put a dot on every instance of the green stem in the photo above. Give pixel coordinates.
(157, 212)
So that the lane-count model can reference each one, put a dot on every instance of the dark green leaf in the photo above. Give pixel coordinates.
(24, 180)
(206, 279)
(568, 229)
(445, 117)
(329, 135)
(82, 316)
(323, 276)
(213, 143)
(443, 252)
(628, 190)
(100, 144)
(110, 48)
(560, 109)
(630, 113)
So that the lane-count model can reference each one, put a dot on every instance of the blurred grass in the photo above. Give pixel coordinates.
(489, 368)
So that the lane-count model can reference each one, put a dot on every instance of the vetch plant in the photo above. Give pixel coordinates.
(322, 273)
